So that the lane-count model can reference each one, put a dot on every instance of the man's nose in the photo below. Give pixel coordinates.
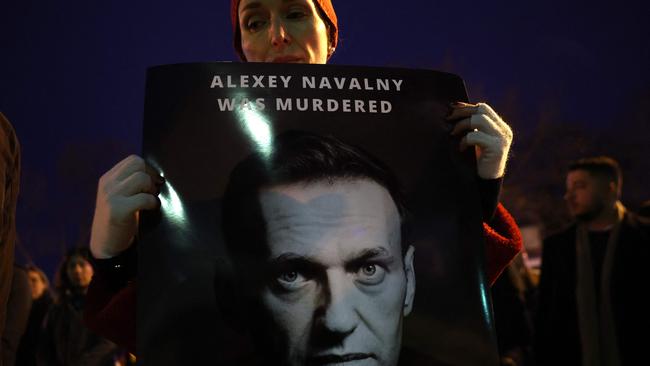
(340, 314)
(278, 33)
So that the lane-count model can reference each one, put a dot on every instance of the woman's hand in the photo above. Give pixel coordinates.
(122, 191)
(484, 129)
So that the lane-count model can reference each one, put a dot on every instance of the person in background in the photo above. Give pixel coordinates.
(41, 302)
(18, 306)
(65, 340)
(9, 179)
(592, 310)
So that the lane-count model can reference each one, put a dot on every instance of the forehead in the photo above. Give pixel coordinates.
(77, 259)
(579, 175)
(344, 216)
(253, 4)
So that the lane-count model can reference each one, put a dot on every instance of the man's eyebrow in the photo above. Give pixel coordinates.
(378, 253)
(293, 259)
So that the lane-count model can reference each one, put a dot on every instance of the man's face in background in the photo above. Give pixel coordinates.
(339, 284)
(586, 194)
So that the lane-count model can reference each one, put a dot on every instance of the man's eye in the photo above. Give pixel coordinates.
(291, 280)
(371, 274)
(289, 276)
(369, 269)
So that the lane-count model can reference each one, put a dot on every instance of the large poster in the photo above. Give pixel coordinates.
(311, 215)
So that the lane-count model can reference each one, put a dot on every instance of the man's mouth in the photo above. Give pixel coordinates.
(332, 359)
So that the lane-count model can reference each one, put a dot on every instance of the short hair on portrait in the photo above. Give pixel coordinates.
(297, 157)
(603, 167)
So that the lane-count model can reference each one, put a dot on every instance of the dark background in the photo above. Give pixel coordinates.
(572, 79)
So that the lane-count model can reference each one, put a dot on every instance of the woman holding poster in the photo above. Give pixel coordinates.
(278, 31)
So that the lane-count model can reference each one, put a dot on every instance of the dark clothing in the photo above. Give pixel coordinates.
(511, 318)
(20, 301)
(9, 178)
(558, 339)
(111, 299)
(28, 347)
(598, 247)
(67, 342)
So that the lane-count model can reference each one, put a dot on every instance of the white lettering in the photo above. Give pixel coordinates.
(340, 83)
(226, 104)
(372, 106)
(216, 81)
(258, 81)
(325, 84)
(398, 84)
(302, 106)
(386, 106)
(273, 81)
(346, 105)
(354, 84)
(285, 80)
(230, 83)
(308, 82)
(332, 105)
(359, 106)
(318, 105)
(259, 103)
(283, 106)
(365, 83)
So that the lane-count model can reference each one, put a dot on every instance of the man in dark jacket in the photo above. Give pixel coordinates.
(591, 309)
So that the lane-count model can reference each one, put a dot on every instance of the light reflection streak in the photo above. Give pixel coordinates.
(171, 205)
(257, 127)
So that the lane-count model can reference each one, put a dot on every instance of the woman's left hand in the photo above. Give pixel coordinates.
(484, 129)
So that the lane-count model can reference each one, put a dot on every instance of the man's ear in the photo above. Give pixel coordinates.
(614, 190)
(409, 270)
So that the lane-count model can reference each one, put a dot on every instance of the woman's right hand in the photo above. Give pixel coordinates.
(122, 191)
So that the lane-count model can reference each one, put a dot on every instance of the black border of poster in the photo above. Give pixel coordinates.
(195, 143)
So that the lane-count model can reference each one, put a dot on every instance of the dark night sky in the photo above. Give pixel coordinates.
(72, 76)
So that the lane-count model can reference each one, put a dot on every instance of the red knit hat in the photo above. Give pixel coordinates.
(325, 10)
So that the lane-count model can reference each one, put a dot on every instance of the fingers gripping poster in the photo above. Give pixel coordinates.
(310, 215)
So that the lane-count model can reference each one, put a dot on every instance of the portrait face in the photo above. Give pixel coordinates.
(338, 283)
(36, 283)
(79, 271)
(282, 31)
(586, 194)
